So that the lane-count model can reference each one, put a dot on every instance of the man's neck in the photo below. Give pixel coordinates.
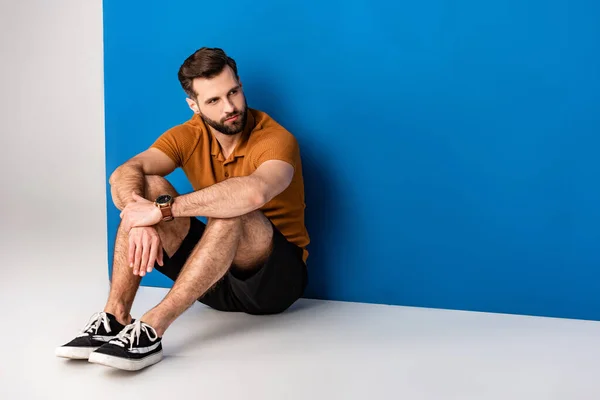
(227, 142)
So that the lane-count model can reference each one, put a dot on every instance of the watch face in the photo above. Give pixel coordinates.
(164, 199)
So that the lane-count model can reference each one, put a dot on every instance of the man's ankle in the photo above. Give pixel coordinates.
(123, 316)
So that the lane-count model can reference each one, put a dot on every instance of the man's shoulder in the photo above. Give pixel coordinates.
(182, 140)
(266, 127)
(271, 141)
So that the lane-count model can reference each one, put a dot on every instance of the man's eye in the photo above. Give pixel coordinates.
(233, 91)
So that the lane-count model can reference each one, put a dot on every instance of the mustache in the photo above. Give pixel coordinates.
(234, 114)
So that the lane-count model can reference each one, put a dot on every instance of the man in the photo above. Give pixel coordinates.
(251, 255)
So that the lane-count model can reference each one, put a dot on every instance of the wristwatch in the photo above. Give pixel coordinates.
(164, 202)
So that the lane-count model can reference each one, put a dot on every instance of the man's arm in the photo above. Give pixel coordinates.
(129, 177)
(236, 196)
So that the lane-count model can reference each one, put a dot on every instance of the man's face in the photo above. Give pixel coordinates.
(221, 102)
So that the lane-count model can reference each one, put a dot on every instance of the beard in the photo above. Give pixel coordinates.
(229, 128)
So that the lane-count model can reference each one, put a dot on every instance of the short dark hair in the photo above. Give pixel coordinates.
(204, 63)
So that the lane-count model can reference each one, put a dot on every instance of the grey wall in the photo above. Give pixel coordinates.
(52, 213)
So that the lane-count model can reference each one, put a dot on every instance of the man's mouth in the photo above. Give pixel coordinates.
(232, 119)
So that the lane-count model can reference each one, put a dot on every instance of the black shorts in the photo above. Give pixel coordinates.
(275, 286)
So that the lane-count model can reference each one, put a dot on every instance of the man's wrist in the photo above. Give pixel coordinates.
(175, 209)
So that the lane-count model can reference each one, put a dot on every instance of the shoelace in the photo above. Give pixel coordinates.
(94, 323)
(131, 334)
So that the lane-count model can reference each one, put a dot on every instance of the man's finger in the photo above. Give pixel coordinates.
(152, 258)
(146, 253)
(138, 257)
(131, 255)
(159, 257)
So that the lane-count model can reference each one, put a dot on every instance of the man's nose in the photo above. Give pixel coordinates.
(229, 107)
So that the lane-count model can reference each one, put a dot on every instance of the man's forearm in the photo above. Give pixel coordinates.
(126, 179)
(227, 199)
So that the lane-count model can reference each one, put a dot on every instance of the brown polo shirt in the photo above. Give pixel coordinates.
(194, 149)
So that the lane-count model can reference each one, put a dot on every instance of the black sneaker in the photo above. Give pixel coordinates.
(101, 328)
(135, 347)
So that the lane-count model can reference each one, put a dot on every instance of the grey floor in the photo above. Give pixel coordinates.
(317, 350)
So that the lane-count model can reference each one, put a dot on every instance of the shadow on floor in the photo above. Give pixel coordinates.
(236, 324)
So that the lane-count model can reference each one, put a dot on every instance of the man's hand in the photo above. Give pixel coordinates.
(145, 248)
(140, 212)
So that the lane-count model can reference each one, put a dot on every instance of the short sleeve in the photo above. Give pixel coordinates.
(178, 143)
(279, 145)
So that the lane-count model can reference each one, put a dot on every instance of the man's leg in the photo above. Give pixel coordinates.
(102, 328)
(222, 243)
(244, 241)
(124, 284)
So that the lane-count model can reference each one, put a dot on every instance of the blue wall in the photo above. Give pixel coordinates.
(450, 147)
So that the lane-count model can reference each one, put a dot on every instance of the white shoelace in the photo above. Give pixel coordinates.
(94, 324)
(132, 332)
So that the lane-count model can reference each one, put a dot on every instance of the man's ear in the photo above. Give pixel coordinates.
(193, 105)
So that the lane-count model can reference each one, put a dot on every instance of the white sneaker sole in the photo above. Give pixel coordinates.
(75, 353)
(124, 364)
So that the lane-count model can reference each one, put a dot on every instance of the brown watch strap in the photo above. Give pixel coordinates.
(167, 214)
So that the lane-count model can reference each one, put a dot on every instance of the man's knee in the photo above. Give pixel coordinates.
(255, 228)
(157, 185)
(256, 223)
(256, 239)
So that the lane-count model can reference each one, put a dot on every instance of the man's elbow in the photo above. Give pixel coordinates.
(259, 199)
(114, 176)
(264, 194)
